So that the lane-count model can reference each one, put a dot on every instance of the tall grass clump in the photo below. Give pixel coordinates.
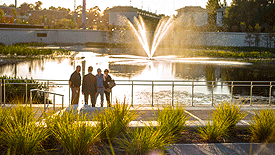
(115, 120)
(140, 141)
(224, 120)
(212, 131)
(228, 113)
(72, 132)
(262, 127)
(172, 121)
(4, 116)
(22, 133)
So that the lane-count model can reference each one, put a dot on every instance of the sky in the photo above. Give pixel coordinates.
(166, 7)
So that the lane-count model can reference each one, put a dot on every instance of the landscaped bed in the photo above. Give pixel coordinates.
(68, 132)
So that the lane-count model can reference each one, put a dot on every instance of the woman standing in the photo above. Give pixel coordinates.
(107, 79)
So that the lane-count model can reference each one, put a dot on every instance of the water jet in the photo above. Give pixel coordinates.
(140, 31)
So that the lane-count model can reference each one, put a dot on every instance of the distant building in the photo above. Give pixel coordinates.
(116, 13)
(192, 15)
(220, 14)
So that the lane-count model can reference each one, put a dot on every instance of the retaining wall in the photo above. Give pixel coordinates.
(10, 36)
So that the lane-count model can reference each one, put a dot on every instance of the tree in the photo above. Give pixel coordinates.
(12, 5)
(257, 35)
(52, 8)
(2, 17)
(211, 6)
(25, 8)
(14, 13)
(38, 5)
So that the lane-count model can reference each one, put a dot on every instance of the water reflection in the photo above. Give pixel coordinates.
(130, 67)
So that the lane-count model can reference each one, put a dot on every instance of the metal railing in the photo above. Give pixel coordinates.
(193, 84)
(171, 84)
(45, 100)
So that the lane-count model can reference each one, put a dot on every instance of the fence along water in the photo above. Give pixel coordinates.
(251, 92)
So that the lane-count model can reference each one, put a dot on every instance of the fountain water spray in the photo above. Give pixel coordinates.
(140, 32)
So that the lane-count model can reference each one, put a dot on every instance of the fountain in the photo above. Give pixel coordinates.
(140, 31)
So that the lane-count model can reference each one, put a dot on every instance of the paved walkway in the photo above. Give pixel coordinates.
(198, 116)
(223, 149)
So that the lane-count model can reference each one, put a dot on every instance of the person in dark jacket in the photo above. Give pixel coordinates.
(74, 83)
(107, 90)
(89, 87)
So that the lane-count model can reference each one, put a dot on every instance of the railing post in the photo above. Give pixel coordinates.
(26, 90)
(173, 87)
(270, 93)
(30, 98)
(192, 94)
(44, 101)
(69, 95)
(4, 92)
(251, 87)
(54, 102)
(212, 98)
(62, 101)
(132, 94)
(152, 93)
(1, 92)
(232, 88)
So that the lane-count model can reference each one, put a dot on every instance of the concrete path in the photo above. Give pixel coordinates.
(198, 116)
(223, 149)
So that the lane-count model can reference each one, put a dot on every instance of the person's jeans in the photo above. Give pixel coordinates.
(101, 92)
(107, 95)
(75, 95)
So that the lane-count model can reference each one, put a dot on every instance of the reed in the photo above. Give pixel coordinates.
(140, 141)
(172, 121)
(72, 132)
(211, 132)
(115, 120)
(22, 134)
(228, 113)
(24, 50)
(262, 126)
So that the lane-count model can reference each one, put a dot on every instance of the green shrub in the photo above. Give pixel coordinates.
(72, 132)
(172, 120)
(140, 141)
(24, 50)
(22, 134)
(115, 120)
(262, 127)
(228, 113)
(17, 92)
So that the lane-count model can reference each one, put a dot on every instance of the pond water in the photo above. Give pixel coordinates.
(132, 67)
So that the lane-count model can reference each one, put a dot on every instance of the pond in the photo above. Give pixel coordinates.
(162, 67)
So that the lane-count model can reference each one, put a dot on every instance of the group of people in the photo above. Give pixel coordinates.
(93, 85)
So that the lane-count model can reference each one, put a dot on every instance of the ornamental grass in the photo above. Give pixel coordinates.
(262, 126)
(142, 140)
(73, 133)
(115, 120)
(228, 113)
(21, 133)
(172, 121)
